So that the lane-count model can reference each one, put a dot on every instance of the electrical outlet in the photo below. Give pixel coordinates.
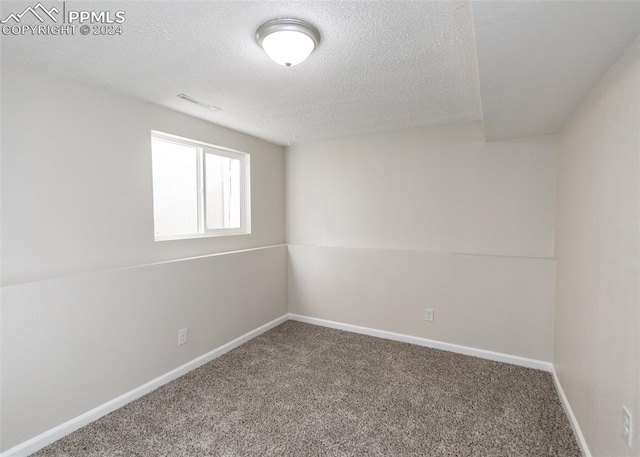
(182, 337)
(428, 314)
(627, 426)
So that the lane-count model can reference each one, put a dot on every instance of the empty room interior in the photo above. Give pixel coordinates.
(320, 228)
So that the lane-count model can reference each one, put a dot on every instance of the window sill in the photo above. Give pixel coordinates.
(222, 233)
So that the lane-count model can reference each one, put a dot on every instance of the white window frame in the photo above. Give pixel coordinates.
(245, 187)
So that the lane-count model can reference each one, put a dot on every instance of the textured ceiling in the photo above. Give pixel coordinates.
(538, 59)
(380, 65)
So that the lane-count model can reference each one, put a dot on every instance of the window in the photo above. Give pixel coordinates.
(198, 190)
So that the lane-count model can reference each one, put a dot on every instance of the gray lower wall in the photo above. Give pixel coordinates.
(501, 304)
(71, 344)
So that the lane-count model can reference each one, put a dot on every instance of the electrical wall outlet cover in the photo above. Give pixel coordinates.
(182, 337)
(428, 314)
(627, 426)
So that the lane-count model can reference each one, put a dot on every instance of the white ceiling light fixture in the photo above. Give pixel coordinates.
(288, 41)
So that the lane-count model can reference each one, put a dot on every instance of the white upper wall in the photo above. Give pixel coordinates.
(76, 179)
(436, 189)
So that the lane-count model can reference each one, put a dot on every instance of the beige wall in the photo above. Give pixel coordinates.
(382, 226)
(83, 319)
(76, 179)
(597, 317)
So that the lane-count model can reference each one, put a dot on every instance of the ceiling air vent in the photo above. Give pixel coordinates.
(198, 102)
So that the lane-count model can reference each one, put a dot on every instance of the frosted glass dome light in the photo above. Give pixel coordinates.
(288, 41)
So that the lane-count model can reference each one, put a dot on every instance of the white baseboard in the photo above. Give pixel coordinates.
(572, 418)
(466, 350)
(38, 442)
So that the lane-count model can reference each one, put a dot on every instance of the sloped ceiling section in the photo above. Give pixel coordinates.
(538, 59)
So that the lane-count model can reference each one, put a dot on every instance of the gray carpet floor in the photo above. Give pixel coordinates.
(303, 390)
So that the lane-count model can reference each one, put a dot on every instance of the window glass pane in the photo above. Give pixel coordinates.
(222, 176)
(175, 188)
(234, 193)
